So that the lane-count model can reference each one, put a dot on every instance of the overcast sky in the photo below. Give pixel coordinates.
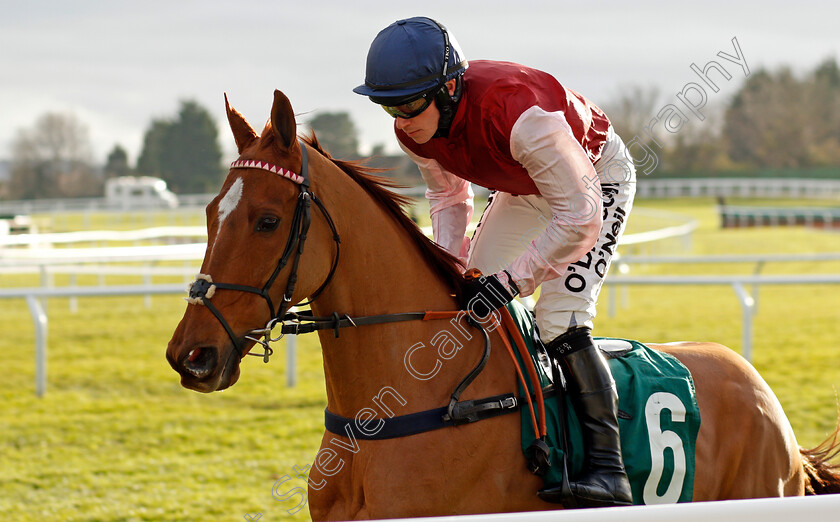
(118, 64)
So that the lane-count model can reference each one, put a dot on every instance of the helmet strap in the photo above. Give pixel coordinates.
(447, 106)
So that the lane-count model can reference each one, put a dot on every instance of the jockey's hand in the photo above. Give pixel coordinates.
(484, 294)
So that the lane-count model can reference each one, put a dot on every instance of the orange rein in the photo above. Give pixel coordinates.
(509, 327)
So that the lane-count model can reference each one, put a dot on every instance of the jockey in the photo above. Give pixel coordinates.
(562, 186)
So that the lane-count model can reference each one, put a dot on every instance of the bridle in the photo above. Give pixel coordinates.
(204, 288)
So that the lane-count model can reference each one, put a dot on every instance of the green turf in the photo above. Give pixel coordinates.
(117, 438)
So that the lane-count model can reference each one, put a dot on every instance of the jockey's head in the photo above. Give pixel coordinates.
(411, 63)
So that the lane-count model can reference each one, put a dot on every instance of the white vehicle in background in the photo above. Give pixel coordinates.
(140, 192)
(11, 224)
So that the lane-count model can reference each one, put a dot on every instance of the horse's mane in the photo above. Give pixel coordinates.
(380, 189)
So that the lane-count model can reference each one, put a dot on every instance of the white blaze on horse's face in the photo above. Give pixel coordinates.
(229, 202)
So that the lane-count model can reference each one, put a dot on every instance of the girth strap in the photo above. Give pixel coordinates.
(420, 422)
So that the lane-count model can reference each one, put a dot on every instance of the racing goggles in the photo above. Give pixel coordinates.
(410, 109)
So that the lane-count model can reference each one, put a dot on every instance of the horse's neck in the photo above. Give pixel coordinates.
(382, 271)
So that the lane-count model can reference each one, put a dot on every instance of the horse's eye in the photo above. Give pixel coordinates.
(267, 224)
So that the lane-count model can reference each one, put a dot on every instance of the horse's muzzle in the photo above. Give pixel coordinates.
(201, 369)
(200, 362)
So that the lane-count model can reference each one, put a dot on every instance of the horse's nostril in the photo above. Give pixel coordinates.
(200, 362)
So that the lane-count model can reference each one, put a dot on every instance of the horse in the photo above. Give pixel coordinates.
(287, 195)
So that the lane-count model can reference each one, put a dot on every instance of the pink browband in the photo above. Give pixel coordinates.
(253, 164)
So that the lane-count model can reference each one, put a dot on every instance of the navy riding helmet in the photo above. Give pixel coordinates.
(412, 58)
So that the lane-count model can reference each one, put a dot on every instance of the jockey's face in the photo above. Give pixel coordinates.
(422, 127)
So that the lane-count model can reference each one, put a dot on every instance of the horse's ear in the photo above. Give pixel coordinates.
(283, 120)
(243, 133)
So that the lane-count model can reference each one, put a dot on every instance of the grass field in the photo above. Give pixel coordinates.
(117, 438)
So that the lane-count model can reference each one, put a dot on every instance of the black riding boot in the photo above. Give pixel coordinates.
(603, 481)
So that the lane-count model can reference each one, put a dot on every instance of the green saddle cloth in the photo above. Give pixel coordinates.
(658, 418)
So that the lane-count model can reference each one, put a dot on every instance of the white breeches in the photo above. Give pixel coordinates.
(510, 223)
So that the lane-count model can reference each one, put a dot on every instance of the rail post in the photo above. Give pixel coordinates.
(39, 318)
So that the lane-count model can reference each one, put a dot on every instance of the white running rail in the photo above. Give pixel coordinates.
(823, 508)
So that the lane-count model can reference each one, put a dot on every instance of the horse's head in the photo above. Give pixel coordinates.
(256, 229)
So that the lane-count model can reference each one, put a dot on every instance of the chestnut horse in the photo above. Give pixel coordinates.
(265, 213)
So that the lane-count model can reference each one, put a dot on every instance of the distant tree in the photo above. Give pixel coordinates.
(775, 120)
(696, 148)
(779, 121)
(184, 152)
(117, 163)
(824, 98)
(631, 110)
(154, 143)
(378, 150)
(829, 73)
(337, 133)
(53, 159)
